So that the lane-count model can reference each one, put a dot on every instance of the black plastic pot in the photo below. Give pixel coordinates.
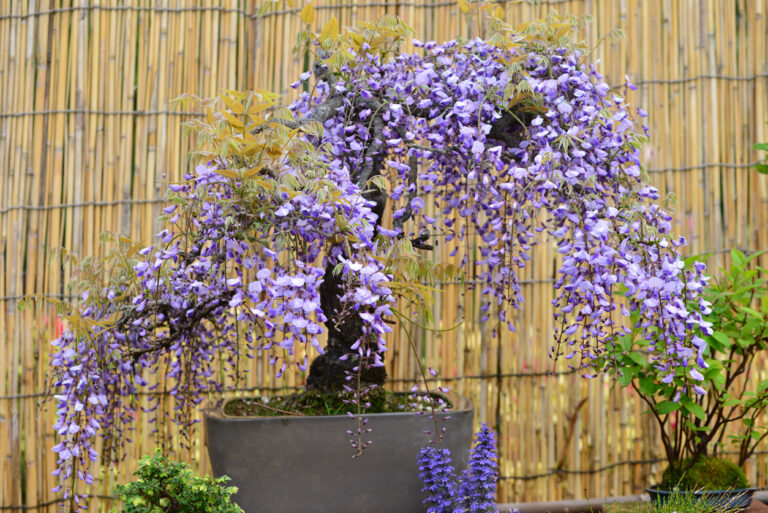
(305, 464)
(731, 500)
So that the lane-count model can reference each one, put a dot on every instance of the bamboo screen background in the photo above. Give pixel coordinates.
(88, 140)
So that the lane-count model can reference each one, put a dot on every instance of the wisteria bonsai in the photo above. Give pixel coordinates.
(321, 218)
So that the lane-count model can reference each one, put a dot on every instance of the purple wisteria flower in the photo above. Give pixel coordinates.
(478, 147)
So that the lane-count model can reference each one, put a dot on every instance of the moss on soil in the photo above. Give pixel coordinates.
(706, 474)
(317, 403)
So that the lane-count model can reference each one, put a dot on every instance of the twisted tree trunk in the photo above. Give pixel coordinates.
(329, 371)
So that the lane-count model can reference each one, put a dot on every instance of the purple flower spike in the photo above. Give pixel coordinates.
(438, 477)
(475, 491)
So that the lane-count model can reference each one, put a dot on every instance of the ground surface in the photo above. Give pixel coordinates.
(757, 507)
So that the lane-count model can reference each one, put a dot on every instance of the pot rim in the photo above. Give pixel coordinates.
(460, 404)
(655, 489)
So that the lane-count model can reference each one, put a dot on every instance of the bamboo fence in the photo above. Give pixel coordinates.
(88, 141)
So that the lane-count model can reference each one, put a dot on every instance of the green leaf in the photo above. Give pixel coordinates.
(721, 341)
(761, 146)
(711, 373)
(665, 407)
(756, 254)
(714, 364)
(746, 288)
(625, 345)
(693, 407)
(737, 257)
(694, 428)
(752, 312)
(689, 261)
(626, 378)
(648, 386)
(638, 359)
(698, 411)
(762, 168)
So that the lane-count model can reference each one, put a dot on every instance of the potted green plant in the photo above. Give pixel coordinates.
(698, 423)
(323, 217)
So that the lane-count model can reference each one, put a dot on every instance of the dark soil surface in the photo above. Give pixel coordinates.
(316, 403)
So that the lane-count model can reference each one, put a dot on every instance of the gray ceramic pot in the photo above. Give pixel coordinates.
(305, 464)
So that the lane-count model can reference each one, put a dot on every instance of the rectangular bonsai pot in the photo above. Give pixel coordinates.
(301, 464)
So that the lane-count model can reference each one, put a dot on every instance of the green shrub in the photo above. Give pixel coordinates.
(705, 474)
(168, 487)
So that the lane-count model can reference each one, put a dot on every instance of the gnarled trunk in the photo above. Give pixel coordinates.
(328, 371)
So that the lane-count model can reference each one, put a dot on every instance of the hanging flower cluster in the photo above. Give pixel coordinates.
(195, 294)
(455, 138)
(494, 143)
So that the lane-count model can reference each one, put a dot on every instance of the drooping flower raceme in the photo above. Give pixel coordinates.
(191, 297)
(466, 142)
(488, 168)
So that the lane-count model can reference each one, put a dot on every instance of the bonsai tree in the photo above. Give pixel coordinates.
(321, 218)
(698, 418)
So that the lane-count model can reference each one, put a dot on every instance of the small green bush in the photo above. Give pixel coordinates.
(167, 487)
(705, 474)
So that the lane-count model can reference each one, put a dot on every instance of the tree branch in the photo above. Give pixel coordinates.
(175, 331)
(499, 129)
(413, 163)
(373, 156)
